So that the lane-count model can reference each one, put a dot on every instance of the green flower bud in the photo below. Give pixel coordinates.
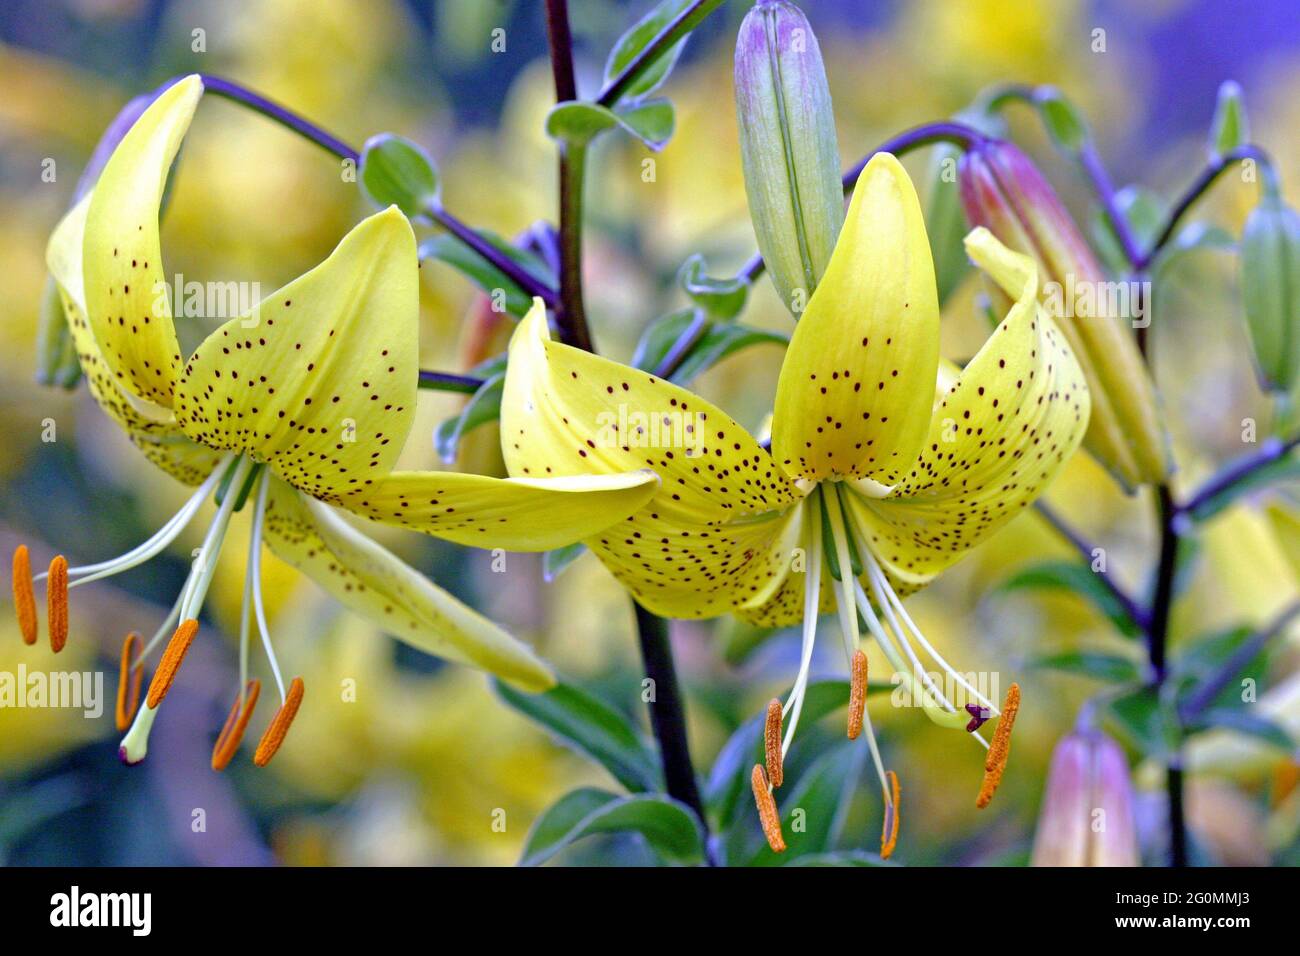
(1270, 288)
(788, 147)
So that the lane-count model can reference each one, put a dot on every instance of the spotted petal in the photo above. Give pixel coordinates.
(1001, 434)
(518, 514)
(158, 436)
(854, 394)
(319, 381)
(126, 284)
(376, 584)
(708, 539)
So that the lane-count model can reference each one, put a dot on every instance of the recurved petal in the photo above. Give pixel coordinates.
(1010, 421)
(156, 434)
(568, 412)
(854, 394)
(376, 584)
(709, 539)
(518, 514)
(319, 380)
(126, 284)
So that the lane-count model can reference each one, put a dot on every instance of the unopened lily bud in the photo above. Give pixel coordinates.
(1087, 817)
(788, 147)
(1003, 190)
(1270, 290)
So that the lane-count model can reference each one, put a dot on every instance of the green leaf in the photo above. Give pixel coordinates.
(1229, 128)
(652, 122)
(636, 39)
(1203, 660)
(670, 829)
(1104, 667)
(396, 171)
(1261, 728)
(1283, 469)
(1076, 577)
(728, 781)
(1062, 119)
(555, 562)
(1143, 722)
(483, 407)
(719, 340)
(578, 123)
(506, 293)
(591, 727)
(820, 799)
(720, 298)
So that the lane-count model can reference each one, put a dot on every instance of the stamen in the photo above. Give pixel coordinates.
(811, 605)
(767, 814)
(274, 736)
(772, 743)
(129, 677)
(889, 832)
(56, 598)
(233, 731)
(1000, 749)
(171, 662)
(24, 595)
(857, 694)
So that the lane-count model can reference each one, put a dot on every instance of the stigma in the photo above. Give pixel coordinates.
(231, 484)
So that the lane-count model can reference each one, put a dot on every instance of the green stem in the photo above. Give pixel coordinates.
(571, 318)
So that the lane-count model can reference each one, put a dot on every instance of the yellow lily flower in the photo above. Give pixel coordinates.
(883, 461)
(302, 405)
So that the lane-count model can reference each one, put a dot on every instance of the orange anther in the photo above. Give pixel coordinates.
(857, 694)
(889, 833)
(56, 597)
(1000, 749)
(767, 814)
(274, 736)
(129, 676)
(171, 662)
(24, 596)
(772, 743)
(233, 731)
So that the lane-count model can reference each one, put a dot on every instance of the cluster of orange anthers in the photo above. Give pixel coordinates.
(56, 596)
(131, 668)
(766, 778)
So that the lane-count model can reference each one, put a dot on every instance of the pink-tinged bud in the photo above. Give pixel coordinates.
(1087, 817)
(1003, 190)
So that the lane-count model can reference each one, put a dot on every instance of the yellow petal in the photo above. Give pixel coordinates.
(518, 514)
(1010, 421)
(376, 584)
(158, 436)
(125, 280)
(855, 391)
(319, 381)
(703, 543)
